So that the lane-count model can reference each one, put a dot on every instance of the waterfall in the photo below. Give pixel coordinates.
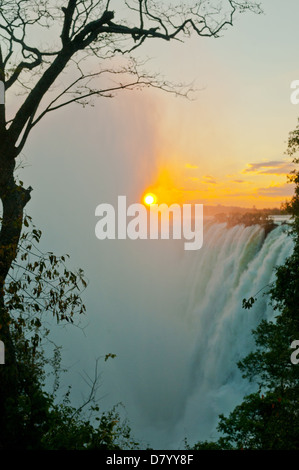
(234, 263)
(175, 321)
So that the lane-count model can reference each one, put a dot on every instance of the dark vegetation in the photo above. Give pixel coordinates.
(41, 289)
(248, 218)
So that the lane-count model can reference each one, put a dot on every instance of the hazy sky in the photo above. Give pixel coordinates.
(225, 147)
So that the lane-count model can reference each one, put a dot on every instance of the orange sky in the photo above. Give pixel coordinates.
(227, 146)
(263, 185)
(206, 158)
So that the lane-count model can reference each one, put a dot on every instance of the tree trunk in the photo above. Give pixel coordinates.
(14, 198)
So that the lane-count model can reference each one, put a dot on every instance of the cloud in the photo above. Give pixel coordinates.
(285, 190)
(270, 168)
(191, 167)
(209, 179)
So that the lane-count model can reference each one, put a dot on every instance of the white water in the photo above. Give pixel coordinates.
(234, 263)
(175, 320)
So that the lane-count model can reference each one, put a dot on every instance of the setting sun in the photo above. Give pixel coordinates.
(150, 199)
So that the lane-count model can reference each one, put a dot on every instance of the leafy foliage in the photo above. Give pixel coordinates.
(262, 422)
(39, 284)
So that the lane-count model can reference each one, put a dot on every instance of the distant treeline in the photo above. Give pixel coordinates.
(249, 218)
(220, 209)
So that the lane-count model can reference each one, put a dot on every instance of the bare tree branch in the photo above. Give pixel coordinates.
(92, 26)
(68, 16)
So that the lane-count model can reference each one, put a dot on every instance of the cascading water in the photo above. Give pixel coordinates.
(234, 263)
(175, 320)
